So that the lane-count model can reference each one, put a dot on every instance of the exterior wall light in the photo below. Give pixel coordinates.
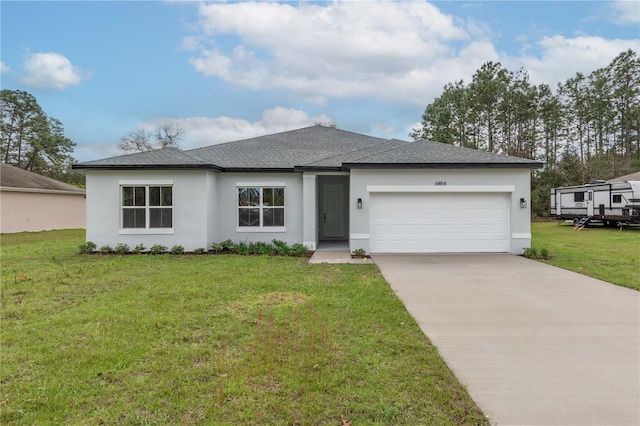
(359, 203)
(523, 203)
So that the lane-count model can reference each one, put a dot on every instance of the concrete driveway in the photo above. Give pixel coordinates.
(533, 344)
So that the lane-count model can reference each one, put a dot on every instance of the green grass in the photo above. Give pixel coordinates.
(596, 251)
(107, 339)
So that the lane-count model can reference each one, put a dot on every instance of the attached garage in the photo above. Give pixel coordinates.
(439, 222)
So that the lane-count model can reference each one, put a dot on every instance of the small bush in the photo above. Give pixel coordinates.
(122, 248)
(531, 253)
(241, 248)
(139, 248)
(216, 247)
(106, 249)
(88, 247)
(157, 249)
(299, 250)
(544, 253)
(359, 252)
(200, 250)
(228, 245)
(280, 247)
(177, 249)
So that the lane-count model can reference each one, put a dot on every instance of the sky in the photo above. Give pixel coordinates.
(225, 71)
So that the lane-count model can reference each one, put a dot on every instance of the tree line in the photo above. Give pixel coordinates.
(32, 140)
(587, 128)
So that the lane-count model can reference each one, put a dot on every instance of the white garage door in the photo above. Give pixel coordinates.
(439, 222)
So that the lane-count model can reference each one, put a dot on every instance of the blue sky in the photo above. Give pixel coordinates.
(227, 71)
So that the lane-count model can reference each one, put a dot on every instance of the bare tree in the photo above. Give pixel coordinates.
(136, 141)
(168, 135)
(139, 140)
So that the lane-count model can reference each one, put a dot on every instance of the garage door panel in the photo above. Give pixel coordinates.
(432, 223)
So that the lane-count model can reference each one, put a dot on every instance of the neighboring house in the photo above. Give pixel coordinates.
(313, 185)
(626, 178)
(31, 202)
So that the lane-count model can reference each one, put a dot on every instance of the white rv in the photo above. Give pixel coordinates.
(598, 201)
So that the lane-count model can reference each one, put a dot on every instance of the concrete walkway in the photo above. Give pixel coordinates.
(335, 256)
(533, 344)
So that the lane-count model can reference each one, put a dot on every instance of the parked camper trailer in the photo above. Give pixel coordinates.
(598, 201)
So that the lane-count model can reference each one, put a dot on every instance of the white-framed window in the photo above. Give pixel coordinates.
(146, 207)
(261, 207)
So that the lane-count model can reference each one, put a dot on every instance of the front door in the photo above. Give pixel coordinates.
(590, 203)
(332, 215)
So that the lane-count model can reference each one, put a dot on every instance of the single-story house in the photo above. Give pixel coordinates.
(32, 202)
(313, 185)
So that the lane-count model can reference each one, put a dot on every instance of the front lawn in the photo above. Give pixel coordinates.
(106, 339)
(599, 252)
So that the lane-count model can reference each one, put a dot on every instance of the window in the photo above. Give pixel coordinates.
(578, 196)
(617, 198)
(147, 207)
(260, 207)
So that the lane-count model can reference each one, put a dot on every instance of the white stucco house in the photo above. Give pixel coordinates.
(310, 186)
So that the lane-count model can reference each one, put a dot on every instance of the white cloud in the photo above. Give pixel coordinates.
(395, 50)
(561, 58)
(4, 68)
(625, 12)
(51, 70)
(203, 131)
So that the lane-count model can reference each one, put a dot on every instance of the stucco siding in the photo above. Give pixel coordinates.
(227, 207)
(191, 192)
(39, 211)
(445, 180)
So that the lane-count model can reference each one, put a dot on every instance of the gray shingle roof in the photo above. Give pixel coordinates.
(429, 154)
(167, 157)
(287, 150)
(316, 147)
(631, 176)
(15, 177)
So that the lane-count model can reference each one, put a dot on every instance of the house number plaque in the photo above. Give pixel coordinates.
(441, 182)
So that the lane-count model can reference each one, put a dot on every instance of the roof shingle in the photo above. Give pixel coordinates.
(316, 147)
(15, 177)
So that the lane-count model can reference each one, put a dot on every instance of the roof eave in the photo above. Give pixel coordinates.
(532, 165)
(146, 167)
(318, 168)
(258, 170)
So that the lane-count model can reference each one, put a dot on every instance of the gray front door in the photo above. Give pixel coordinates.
(332, 211)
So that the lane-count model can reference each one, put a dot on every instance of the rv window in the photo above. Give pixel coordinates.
(578, 196)
(617, 198)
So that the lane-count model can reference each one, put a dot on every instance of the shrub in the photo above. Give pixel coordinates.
(299, 250)
(216, 247)
(359, 252)
(228, 245)
(106, 249)
(241, 247)
(88, 247)
(280, 247)
(122, 248)
(177, 249)
(530, 253)
(200, 250)
(139, 248)
(157, 249)
(544, 253)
